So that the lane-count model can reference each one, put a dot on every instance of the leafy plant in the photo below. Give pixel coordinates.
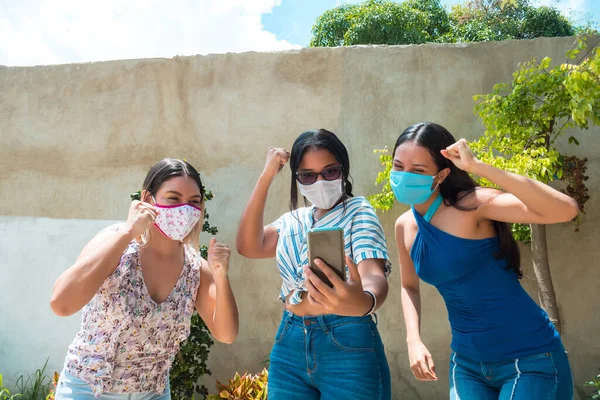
(525, 118)
(190, 362)
(595, 384)
(266, 361)
(52, 393)
(36, 387)
(384, 200)
(5, 394)
(245, 387)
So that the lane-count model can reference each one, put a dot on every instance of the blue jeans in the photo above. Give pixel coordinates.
(330, 358)
(545, 376)
(70, 387)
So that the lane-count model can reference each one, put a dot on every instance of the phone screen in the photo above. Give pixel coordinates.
(328, 245)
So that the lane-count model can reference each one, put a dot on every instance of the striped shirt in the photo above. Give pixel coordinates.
(363, 236)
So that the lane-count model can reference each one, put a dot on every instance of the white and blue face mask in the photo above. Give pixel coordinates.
(323, 194)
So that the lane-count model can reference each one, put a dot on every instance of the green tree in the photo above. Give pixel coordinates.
(524, 120)
(421, 21)
(190, 362)
(381, 22)
(494, 20)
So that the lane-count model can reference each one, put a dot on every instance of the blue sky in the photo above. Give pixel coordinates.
(43, 32)
(292, 19)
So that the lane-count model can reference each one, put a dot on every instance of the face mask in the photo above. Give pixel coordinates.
(411, 188)
(177, 221)
(323, 194)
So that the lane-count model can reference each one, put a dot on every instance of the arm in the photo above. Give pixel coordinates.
(524, 200)
(369, 249)
(254, 240)
(420, 359)
(373, 279)
(410, 292)
(215, 301)
(345, 298)
(75, 287)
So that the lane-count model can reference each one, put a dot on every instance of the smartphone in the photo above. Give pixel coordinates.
(328, 245)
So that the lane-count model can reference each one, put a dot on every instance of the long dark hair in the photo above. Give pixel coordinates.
(319, 139)
(458, 184)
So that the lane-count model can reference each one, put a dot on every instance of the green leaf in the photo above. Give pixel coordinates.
(573, 140)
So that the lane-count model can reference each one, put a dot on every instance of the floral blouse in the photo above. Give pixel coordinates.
(127, 342)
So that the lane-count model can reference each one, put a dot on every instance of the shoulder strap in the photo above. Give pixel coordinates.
(433, 208)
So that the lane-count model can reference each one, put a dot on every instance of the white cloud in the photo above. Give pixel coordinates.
(34, 32)
(564, 5)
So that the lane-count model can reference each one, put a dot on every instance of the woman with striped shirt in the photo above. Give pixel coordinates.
(327, 345)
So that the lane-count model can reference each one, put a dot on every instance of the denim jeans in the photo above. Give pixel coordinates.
(545, 376)
(330, 358)
(72, 388)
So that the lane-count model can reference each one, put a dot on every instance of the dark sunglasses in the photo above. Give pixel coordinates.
(329, 174)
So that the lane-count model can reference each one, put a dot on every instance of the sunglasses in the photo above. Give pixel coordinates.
(329, 174)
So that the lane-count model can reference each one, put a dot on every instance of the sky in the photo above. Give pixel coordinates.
(44, 32)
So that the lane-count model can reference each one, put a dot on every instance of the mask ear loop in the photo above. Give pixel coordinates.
(438, 183)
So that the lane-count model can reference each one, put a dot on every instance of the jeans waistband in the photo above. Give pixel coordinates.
(324, 322)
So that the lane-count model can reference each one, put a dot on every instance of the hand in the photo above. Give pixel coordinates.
(276, 160)
(344, 298)
(218, 258)
(461, 155)
(421, 362)
(141, 217)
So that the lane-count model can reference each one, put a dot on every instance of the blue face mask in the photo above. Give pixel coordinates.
(411, 188)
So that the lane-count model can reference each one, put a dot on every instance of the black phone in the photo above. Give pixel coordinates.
(328, 245)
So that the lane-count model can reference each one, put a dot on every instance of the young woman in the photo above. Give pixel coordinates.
(456, 238)
(138, 284)
(327, 346)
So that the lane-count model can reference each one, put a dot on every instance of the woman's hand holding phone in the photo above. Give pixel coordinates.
(344, 298)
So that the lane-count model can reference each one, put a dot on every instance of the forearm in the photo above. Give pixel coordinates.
(250, 235)
(411, 308)
(225, 315)
(78, 285)
(377, 285)
(540, 198)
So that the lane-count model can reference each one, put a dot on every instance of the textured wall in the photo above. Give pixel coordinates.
(75, 140)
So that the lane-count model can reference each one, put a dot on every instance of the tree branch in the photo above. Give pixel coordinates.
(558, 132)
(588, 52)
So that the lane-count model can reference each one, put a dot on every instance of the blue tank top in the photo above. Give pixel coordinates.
(491, 316)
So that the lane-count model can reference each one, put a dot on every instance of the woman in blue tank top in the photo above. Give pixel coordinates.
(456, 237)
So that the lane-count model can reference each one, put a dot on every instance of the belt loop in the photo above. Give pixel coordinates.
(323, 324)
(286, 318)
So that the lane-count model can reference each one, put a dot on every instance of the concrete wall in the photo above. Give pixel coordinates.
(75, 140)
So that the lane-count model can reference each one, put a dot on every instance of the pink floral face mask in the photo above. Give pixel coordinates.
(176, 221)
